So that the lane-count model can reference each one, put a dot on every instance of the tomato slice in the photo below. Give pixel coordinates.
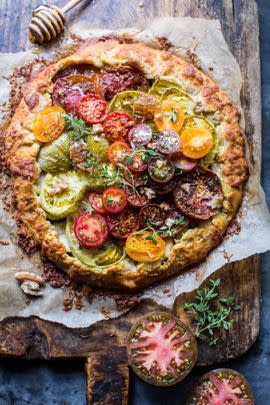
(114, 199)
(91, 230)
(117, 125)
(95, 200)
(137, 164)
(136, 198)
(117, 153)
(169, 116)
(221, 387)
(141, 134)
(161, 349)
(123, 224)
(161, 170)
(181, 162)
(164, 188)
(92, 109)
(49, 124)
(144, 247)
(196, 142)
(153, 215)
(168, 142)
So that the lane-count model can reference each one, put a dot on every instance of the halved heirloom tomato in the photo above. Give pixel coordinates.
(196, 142)
(117, 125)
(161, 349)
(96, 202)
(221, 387)
(92, 109)
(49, 123)
(124, 223)
(168, 142)
(91, 230)
(153, 215)
(144, 247)
(169, 116)
(114, 199)
(117, 152)
(141, 134)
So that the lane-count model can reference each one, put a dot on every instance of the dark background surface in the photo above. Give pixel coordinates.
(63, 383)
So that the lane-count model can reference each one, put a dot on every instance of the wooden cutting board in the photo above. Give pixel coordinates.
(103, 344)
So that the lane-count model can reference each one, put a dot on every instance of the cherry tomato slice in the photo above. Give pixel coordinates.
(138, 198)
(221, 387)
(169, 116)
(92, 109)
(49, 124)
(114, 199)
(161, 349)
(161, 170)
(91, 230)
(123, 224)
(144, 247)
(95, 200)
(117, 153)
(153, 215)
(137, 165)
(136, 179)
(196, 142)
(117, 125)
(141, 134)
(181, 162)
(164, 188)
(168, 142)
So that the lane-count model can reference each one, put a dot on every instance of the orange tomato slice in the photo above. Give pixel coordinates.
(169, 116)
(49, 123)
(196, 142)
(144, 247)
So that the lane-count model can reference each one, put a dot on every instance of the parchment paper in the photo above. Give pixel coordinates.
(205, 39)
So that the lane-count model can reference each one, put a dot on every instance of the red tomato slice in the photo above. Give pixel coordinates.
(123, 224)
(117, 125)
(137, 165)
(136, 199)
(92, 109)
(91, 230)
(114, 200)
(117, 152)
(95, 200)
(183, 163)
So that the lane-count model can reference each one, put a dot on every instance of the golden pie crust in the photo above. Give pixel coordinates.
(22, 149)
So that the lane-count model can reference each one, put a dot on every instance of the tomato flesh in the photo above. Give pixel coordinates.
(49, 123)
(168, 142)
(153, 215)
(161, 170)
(181, 162)
(91, 230)
(117, 125)
(117, 153)
(144, 247)
(114, 199)
(141, 134)
(136, 199)
(95, 200)
(92, 109)
(161, 349)
(196, 142)
(169, 116)
(123, 224)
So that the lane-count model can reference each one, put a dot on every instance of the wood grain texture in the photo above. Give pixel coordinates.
(104, 343)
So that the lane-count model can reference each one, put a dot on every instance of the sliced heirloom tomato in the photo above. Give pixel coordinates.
(49, 123)
(136, 198)
(153, 215)
(96, 203)
(161, 170)
(117, 153)
(144, 247)
(181, 162)
(114, 199)
(198, 194)
(221, 387)
(117, 125)
(196, 142)
(123, 224)
(161, 349)
(168, 142)
(174, 224)
(92, 109)
(141, 134)
(164, 188)
(169, 116)
(91, 230)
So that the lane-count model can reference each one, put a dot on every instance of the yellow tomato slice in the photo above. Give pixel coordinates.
(196, 142)
(49, 124)
(169, 116)
(142, 248)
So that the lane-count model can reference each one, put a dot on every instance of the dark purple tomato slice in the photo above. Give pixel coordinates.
(198, 194)
(124, 223)
(161, 349)
(91, 230)
(83, 69)
(153, 215)
(96, 203)
(183, 163)
(113, 80)
(141, 134)
(164, 188)
(136, 198)
(169, 142)
(136, 179)
(161, 170)
(221, 387)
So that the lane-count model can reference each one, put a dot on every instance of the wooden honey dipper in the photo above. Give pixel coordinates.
(48, 21)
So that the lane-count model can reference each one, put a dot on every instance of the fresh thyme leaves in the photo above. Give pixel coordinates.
(208, 315)
(91, 162)
(89, 207)
(145, 153)
(110, 201)
(168, 229)
(77, 129)
(152, 236)
(172, 115)
(113, 175)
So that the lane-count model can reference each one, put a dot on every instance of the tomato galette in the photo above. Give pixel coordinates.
(128, 163)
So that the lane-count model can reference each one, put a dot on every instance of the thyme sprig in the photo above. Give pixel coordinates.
(113, 175)
(211, 313)
(77, 129)
(145, 153)
(172, 115)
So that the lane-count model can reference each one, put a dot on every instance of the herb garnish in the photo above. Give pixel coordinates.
(91, 162)
(77, 129)
(172, 115)
(145, 153)
(209, 316)
(113, 175)
(167, 231)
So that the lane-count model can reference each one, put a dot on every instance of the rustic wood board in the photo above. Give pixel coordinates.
(35, 338)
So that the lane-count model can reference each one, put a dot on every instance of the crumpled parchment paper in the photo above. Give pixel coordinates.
(205, 39)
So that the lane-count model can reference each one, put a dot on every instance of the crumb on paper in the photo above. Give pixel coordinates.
(166, 290)
(227, 256)
(104, 311)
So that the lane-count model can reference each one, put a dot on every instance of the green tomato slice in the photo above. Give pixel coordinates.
(54, 157)
(61, 194)
(98, 146)
(124, 101)
(109, 253)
